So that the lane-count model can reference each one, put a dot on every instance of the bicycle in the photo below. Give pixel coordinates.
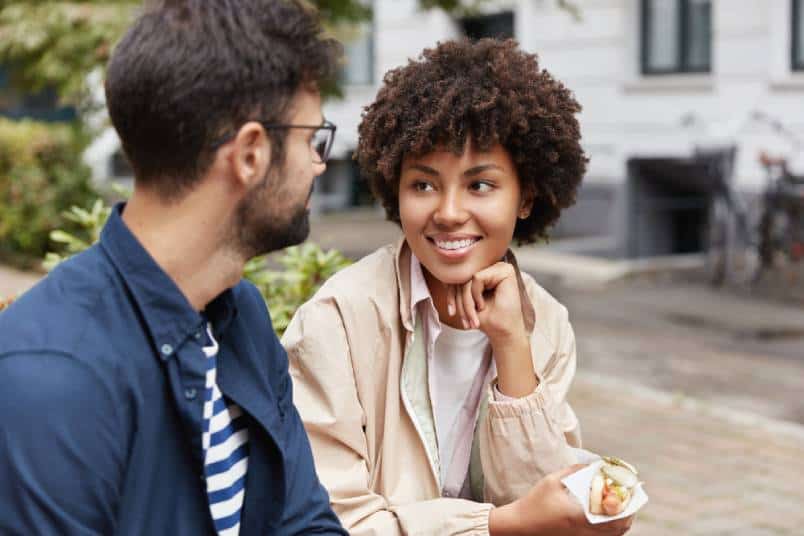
(781, 227)
(745, 239)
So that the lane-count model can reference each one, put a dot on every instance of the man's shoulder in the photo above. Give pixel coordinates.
(55, 312)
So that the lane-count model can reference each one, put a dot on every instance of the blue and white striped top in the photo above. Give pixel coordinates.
(225, 442)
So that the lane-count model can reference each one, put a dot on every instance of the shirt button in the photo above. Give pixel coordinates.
(167, 349)
(198, 335)
(190, 393)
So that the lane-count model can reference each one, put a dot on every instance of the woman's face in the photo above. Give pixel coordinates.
(458, 212)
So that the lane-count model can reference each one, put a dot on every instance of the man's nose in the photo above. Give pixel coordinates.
(451, 210)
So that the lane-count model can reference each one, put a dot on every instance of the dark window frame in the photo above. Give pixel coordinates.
(796, 54)
(682, 65)
(476, 26)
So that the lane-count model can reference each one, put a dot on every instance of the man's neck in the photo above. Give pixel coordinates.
(187, 243)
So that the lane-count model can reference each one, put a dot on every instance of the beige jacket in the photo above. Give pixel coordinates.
(359, 377)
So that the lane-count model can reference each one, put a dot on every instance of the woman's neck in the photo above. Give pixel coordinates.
(438, 292)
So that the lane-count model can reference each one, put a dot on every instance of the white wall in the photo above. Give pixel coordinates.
(626, 114)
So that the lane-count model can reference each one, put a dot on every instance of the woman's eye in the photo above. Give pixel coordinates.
(482, 186)
(422, 186)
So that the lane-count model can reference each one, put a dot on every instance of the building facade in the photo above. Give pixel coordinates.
(656, 78)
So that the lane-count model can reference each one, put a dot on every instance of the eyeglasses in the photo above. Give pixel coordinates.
(320, 143)
(322, 139)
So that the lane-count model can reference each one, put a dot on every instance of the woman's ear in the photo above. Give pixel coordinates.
(251, 154)
(526, 205)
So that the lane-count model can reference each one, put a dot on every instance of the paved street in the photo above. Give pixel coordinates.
(700, 388)
(706, 473)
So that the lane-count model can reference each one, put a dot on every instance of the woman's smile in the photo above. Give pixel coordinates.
(453, 247)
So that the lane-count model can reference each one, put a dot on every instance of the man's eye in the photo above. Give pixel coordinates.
(482, 186)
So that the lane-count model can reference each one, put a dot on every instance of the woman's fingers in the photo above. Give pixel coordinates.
(494, 275)
(456, 292)
(451, 300)
(469, 305)
(477, 287)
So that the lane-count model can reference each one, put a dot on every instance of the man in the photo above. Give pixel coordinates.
(144, 391)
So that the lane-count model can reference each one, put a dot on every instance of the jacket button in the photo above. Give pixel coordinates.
(167, 349)
(190, 393)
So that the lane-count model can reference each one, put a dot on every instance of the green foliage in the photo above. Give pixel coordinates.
(41, 175)
(90, 224)
(306, 267)
(57, 44)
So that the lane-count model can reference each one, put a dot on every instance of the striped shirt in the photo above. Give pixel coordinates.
(225, 442)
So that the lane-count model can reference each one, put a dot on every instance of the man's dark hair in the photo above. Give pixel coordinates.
(191, 71)
(488, 91)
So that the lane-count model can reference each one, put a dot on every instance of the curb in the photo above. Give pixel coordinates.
(693, 405)
(586, 271)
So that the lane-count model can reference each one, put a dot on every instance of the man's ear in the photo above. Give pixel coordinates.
(251, 154)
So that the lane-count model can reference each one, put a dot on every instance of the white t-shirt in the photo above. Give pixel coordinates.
(457, 357)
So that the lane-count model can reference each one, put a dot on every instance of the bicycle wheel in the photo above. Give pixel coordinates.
(743, 257)
(716, 241)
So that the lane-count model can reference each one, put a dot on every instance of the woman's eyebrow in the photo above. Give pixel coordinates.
(477, 170)
(425, 169)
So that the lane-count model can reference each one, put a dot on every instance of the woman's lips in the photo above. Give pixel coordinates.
(453, 249)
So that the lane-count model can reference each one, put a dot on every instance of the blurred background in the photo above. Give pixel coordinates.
(681, 263)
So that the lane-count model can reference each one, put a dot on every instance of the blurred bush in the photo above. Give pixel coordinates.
(41, 175)
(305, 268)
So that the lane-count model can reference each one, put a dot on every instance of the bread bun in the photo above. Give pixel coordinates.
(596, 494)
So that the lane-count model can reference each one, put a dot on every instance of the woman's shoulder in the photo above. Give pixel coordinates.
(551, 314)
(376, 272)
(362, 289)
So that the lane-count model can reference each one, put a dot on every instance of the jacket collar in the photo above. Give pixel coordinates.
(168, 315)
(402, 256)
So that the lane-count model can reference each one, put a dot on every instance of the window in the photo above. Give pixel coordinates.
(798, 35)
(359, 52)
(676, 36)
(499, 25)
(43, 105)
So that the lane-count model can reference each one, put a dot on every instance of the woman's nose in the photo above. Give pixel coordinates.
(450, 210)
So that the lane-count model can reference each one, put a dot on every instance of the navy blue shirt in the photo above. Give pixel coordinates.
(101, 394)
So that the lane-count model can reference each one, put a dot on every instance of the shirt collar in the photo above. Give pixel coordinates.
(168, 315)
(419, 291)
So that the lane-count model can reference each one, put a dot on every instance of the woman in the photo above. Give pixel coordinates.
(432, 375)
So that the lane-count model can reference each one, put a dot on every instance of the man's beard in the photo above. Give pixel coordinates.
(262, 220)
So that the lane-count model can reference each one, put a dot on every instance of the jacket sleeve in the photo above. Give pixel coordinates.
(522, 440)
(61, 449)
(325, 393)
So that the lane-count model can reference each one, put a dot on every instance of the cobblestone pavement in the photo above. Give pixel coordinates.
(707, 472)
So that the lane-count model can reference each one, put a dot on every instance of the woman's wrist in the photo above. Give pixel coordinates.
(515, 375)
(502, 521)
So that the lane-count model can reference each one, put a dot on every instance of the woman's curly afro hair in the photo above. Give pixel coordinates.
(491, 92)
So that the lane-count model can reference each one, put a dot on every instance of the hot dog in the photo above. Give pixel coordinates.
(612, 487)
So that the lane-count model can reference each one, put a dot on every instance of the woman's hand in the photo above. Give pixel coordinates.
(550, 509)
(491, 302)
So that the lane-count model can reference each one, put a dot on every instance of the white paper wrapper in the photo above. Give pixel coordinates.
(579, 482)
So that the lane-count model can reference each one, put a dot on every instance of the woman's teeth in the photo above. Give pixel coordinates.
(455, 244)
